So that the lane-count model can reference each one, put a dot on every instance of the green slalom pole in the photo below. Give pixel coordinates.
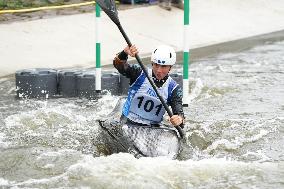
(186, 55)
(98, 50)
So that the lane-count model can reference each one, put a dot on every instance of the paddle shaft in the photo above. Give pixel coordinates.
(150, 80)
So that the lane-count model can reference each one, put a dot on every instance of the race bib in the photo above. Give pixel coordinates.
(147, 107)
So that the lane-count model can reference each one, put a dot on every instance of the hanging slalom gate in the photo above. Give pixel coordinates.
(51, 83)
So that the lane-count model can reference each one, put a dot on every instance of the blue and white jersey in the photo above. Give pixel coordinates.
(142, 104)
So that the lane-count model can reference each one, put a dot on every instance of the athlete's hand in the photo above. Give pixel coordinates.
(131, 51)
(176, 120)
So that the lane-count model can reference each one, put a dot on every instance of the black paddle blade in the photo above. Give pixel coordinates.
(109, 8)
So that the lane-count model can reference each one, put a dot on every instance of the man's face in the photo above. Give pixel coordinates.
(160, 71)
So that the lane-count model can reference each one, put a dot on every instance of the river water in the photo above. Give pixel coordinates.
(235, 126)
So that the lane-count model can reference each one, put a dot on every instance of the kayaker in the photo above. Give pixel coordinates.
(143, 105)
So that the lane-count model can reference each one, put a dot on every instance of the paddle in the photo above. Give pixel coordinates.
(109, 8)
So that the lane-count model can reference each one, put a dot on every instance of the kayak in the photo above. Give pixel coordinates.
(139, 140)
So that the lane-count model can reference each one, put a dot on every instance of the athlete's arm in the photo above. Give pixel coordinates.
(176, 104)
(123, 67)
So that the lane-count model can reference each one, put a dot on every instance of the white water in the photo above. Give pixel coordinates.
(234, 123)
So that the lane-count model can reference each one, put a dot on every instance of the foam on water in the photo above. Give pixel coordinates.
(259, 156)
(123, 170)
(60, 123)
(196, 91)
(4, 182)
(236, 143)
(232, 137)
(3, 144)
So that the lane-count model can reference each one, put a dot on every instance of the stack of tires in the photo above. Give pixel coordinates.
(36, 83)
(50, 83)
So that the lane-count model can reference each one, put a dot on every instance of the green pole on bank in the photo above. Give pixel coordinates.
(186, 55)
(98, 49)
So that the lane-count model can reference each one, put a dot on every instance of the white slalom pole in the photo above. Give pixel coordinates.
(98, 50)
(186, 54)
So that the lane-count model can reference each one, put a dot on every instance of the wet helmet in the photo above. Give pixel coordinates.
(164, 55)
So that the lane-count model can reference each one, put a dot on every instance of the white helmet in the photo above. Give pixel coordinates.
(164, 55)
